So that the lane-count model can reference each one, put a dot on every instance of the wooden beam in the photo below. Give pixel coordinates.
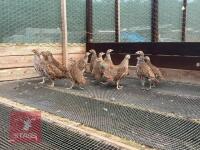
(20, 61)
(17, 73)
(64, 32)
(26, 49)
(168, 55)
(117, 20)
(184, 9)
(154, 21)
(89, 21)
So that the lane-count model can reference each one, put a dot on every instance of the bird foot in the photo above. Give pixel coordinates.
(51, 85)
(81, 88)
(104, 83)
(42, 82)
(119, 87)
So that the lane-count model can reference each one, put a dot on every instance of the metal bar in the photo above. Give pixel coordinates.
(154, 21)
(177, 55)
(89, 21)
(184, 9)
(158, 48)
(64, 32)
(117, 20)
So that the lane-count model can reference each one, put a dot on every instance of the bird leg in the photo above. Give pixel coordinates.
(119, 86)
(43, 80)
(150, 82)
(72, 85)
(142, 83)
(52, 83)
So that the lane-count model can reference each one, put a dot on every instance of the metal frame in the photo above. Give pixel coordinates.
(184, 20)
(89, 21)
(154, 21)
(117, 20)
(177, 55)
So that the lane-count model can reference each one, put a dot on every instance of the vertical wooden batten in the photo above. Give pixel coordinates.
(117, 20)
(184, 9)
(64, 32)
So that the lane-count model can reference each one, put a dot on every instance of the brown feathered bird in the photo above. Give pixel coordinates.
(107, 63)
(37, 63)
(118, 72)
(155, 70)
(61, 67)
(143, 71)
(97, 67)
(108, 59)
(51, 70)
(77, 77)
(93, 58)
(82, 63)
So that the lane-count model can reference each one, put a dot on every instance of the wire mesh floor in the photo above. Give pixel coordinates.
(53, 137)
(153, 129)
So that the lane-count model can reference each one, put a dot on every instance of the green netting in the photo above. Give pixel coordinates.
(30, 21)
(135, 20)
(76, 18)
(193, 21)
(103, 20)
(170, 18)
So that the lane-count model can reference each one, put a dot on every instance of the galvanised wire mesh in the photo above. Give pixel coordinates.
(162, 118)
(76, 21)
(54, 137)
(193, 21)
(30, 21)
(170, 20)
(103, 20)
(135, 18)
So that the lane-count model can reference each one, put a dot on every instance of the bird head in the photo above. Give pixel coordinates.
(109, 50)
(141, 53)
(35, 51)
(92, 51)
(147, 59)
(128, 56)
(48, 53)
(87, 53)
(44, 55)
(101, 54)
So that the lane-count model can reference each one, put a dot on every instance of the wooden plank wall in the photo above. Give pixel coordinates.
(16, 59)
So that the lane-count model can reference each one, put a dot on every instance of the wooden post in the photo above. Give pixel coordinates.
(64, 32)
(117, 20)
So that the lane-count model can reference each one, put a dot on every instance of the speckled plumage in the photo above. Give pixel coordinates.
(118, 72)
(97, 67)
(155, 70)
(93, 58)
(143, 71)
(82, 63)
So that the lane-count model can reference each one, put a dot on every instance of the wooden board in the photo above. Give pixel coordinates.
(177, 75)
(17, 73)
(19, 61)
(25, 49)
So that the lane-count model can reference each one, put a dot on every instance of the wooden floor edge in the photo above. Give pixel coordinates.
(65, 123)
